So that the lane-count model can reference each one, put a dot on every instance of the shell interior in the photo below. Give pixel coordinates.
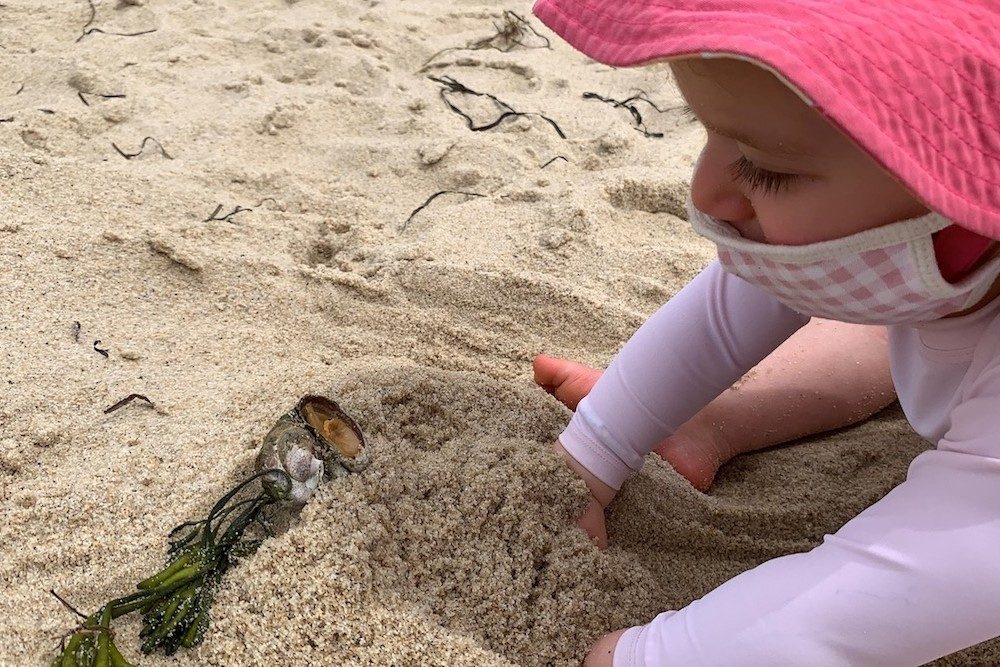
(333, 425)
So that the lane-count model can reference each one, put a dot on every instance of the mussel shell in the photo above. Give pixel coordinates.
(341, 440)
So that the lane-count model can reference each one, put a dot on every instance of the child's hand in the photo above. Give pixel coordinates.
(592, 519)
(569, 382)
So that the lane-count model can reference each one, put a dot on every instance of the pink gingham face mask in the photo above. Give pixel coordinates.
(886, 275)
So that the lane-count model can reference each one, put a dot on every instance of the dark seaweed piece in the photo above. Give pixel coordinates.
(67, 604)
(142, 147)
(47, 111)
(83, 99)
(76, 332)
(454, 87)
(125, 401)
(115, 34)
(432, 198)
(8, 119)
(19, 90)
(87, 30)
(507, 36)
(93, 15)
(103, 352)
(558, 157)
(214, 215)
(239, 209)
(629, 104)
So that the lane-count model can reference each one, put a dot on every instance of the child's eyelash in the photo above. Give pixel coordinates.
(746, 172)
(755, 178)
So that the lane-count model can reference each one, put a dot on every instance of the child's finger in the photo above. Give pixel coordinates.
(568, 381)
(544, 368)
(553, 372)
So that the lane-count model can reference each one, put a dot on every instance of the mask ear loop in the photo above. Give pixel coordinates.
(959, 251)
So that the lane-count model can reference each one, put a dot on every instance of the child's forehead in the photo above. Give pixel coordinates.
(746, 101)
(732, 80)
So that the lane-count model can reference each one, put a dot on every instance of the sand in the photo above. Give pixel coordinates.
(456, 546)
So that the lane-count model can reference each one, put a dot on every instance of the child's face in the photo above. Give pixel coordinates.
(774, 168)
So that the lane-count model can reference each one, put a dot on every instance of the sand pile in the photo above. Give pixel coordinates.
(123, 275)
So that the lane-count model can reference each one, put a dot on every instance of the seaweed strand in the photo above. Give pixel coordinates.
(87, 30)
(432, 198)
(508, 35)
(142, 147)
(629, 105)
(453, 87)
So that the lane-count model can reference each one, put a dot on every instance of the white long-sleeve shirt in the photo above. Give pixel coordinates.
(914, 577)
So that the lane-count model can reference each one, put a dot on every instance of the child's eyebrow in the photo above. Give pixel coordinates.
(782, 148)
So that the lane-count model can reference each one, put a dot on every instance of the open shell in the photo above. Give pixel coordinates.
(342, 439)
(315, 442)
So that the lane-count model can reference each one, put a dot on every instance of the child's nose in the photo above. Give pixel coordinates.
(714, 192)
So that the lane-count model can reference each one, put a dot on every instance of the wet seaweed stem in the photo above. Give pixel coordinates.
(511, 33)
(76, 331)
(451, 86)
(142, 147)
(67, 604)
(629, 105)
(432, 198)
(125, 401)
(228, 217)
(101, 351)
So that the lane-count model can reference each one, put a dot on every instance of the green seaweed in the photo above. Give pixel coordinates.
(176, 601)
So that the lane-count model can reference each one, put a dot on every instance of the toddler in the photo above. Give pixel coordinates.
(851, 173)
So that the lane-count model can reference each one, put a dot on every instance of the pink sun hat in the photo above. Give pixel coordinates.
(916, 84)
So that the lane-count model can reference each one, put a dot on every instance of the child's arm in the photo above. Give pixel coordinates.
(827, 375)
(691, 350)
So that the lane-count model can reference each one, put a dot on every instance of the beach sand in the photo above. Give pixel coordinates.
(456, 546)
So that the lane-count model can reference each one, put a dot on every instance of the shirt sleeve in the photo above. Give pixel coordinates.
(912, 578)
(692, 349)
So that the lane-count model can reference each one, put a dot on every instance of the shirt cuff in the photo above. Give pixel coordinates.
(583, 439)
(629, 651)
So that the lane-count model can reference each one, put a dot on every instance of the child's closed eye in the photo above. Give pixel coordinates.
(769, 182)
